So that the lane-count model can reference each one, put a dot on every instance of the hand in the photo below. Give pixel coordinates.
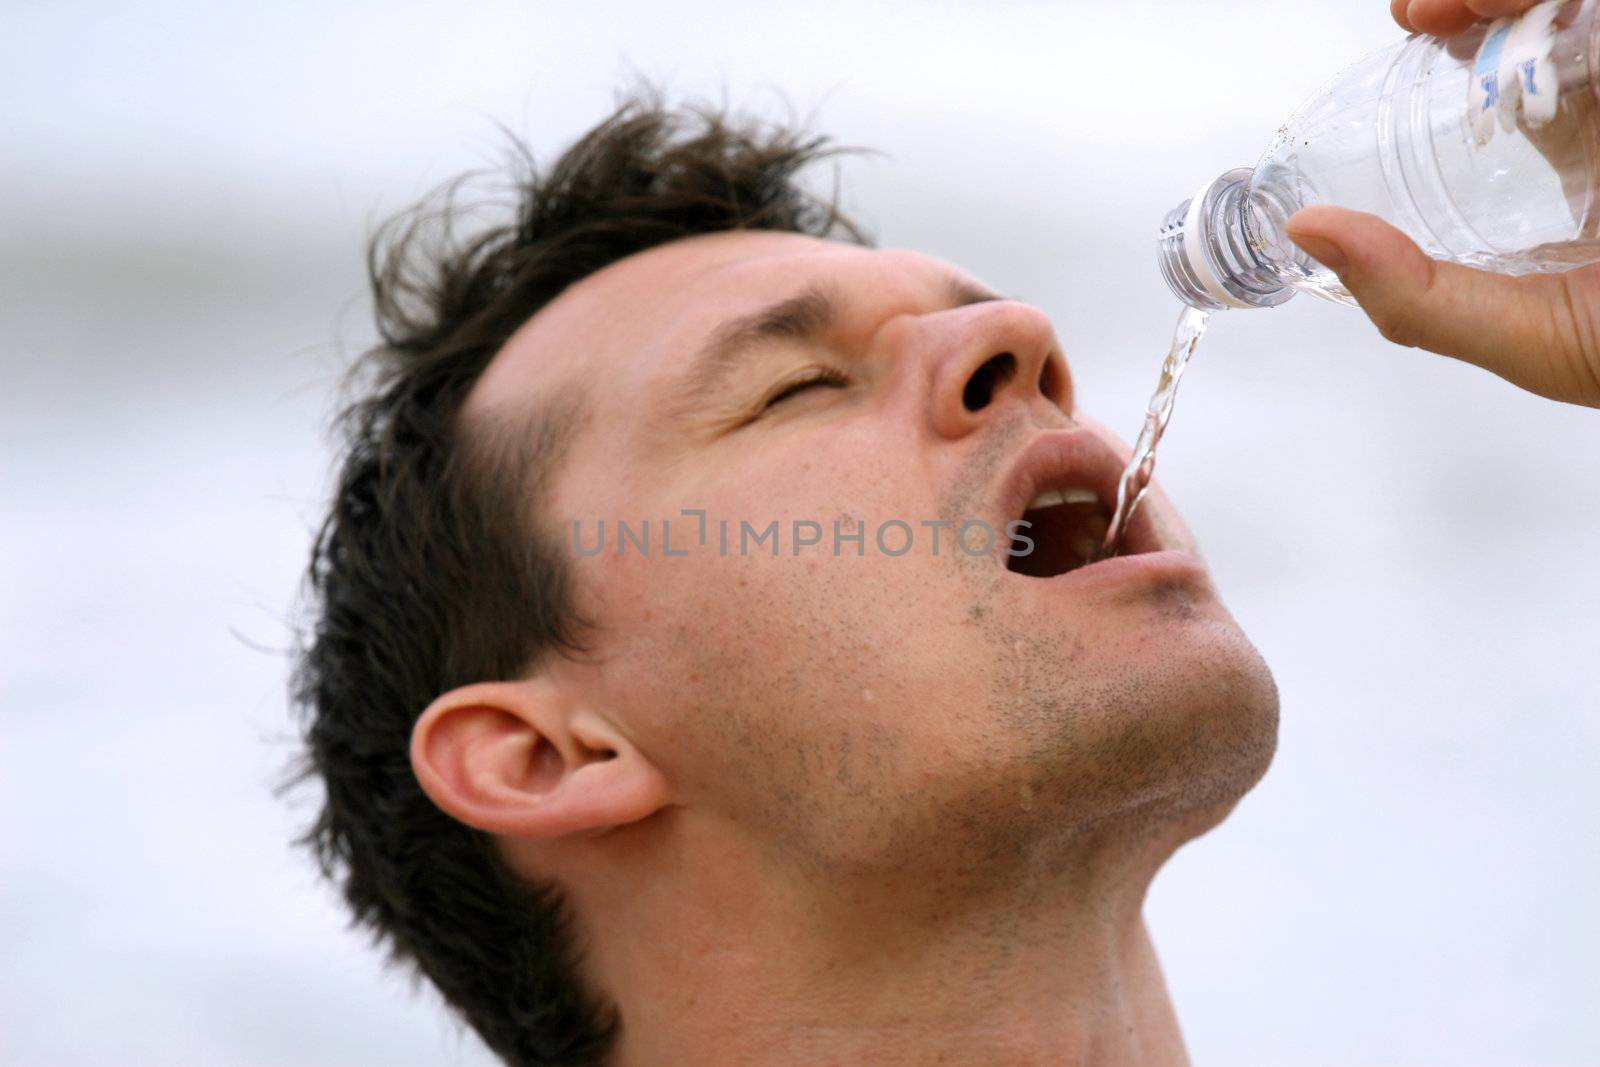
(1540, 331)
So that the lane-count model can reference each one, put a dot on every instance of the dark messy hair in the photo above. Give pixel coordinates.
(434, 568)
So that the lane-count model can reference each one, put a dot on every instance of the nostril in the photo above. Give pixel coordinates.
(1050, 382)
(995, 372)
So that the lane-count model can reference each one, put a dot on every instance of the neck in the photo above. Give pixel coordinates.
(1044, 968)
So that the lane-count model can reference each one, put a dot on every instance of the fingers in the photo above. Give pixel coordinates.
(1446, 18)
(1442, 18)
(1538, 332)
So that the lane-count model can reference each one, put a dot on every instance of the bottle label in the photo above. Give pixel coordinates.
(1514, 75)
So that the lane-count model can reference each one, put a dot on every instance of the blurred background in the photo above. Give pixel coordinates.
(184, 195)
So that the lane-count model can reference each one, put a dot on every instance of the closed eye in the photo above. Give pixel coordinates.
(825, 377)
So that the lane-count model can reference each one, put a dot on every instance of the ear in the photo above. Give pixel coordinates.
(519, 759)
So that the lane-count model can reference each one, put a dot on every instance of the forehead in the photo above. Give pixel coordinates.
(633, 322)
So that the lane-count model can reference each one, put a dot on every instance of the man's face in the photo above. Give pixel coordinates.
(860, 704)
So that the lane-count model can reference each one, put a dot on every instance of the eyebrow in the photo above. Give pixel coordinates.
(806, 316)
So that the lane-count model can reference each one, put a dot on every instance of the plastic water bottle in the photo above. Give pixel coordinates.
(1484, 149)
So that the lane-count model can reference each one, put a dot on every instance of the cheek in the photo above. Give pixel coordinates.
(722, 612)
(803, 665)
(822, 643)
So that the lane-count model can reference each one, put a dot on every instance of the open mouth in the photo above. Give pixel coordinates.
(1067, 528)
(1064, 487)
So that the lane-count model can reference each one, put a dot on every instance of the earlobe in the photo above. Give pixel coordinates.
(514, 758)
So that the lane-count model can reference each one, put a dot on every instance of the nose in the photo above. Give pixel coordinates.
(990, 358)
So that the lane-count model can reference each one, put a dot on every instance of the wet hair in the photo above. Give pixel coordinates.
(433, 568)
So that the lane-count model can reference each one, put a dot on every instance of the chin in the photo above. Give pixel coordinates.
(1207, 746)
(1153, 738)
(1174, 730)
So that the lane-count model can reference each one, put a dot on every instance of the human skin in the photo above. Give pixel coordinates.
(1540, 331)
(833, 808)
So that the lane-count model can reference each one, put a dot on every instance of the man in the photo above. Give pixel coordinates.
(821, 768)
(839, 796)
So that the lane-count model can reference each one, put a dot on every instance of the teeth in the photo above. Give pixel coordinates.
(1051, 497)
(1047, 499)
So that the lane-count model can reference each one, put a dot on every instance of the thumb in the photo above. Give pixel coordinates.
(1541, 332)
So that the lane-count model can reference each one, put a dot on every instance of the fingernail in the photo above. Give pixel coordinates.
(1323, 251)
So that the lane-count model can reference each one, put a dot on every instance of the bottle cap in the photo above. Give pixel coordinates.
(1207, 254)
(1195, 223)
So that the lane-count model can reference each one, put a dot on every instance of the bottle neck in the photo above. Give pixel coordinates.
(1210, 257)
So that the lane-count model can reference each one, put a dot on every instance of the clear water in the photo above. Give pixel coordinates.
(1136, 476)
